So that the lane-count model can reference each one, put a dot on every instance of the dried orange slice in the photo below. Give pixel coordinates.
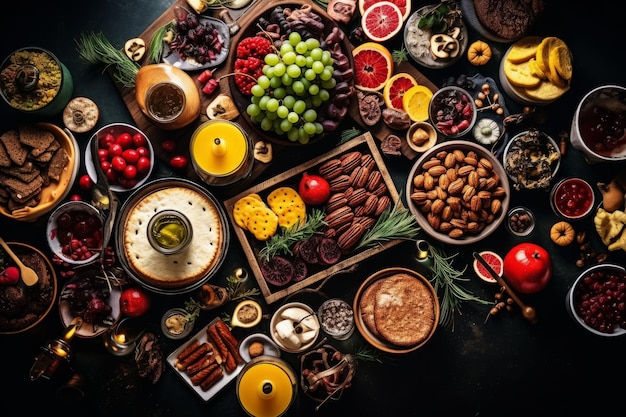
(396, 87)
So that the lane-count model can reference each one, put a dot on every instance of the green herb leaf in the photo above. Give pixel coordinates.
(396, 222)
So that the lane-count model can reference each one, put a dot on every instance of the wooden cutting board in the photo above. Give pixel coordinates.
(244, 18)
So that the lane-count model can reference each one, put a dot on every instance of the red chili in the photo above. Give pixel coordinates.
(205, 76)
(210, 86)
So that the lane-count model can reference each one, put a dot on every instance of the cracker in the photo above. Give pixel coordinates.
(243, 206)
(288, 205)
(262, 222)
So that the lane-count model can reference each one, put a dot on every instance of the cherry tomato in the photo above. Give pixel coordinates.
(143, 165)
(118, 163)
(139, 140)
(169, 145)
(85, 182)
(143, 151)
(103, 154)
(106, 141)
(131, 156)
(130, 172)
(115, 150)
(178, 162)
(125, 140)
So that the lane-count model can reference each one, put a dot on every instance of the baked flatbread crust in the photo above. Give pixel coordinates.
(367, 306)
(183, 268)
(404, 310)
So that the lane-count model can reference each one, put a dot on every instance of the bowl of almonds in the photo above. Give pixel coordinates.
(458, 192)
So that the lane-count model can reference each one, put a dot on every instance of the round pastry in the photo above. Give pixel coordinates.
(256, 349)
(171, 271)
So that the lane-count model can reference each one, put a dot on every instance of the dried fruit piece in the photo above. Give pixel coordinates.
(278, 270)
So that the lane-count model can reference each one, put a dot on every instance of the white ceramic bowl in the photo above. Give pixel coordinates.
(611, 97)
(445, 100)
(597, 274)
(527, 151)
(79, 211)
(423, 219)
(117, 129)
(301, 310)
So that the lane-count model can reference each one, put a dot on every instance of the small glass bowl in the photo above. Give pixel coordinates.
(177, 239)
(175, 323)
(572, 198)
(336, 318)
(520, 221)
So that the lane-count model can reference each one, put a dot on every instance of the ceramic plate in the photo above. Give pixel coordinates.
(202, 337)
(173, 58)
(417, 42)
(88, 330)
(269, 347)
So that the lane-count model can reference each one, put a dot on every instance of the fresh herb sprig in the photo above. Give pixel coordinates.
(395, 222)
(447, 282)
(236, 291)
(94, 48)
(349, 134)
(282, 241)
(400, 55)
(155, 48)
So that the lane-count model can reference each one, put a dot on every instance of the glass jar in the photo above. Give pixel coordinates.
(169, 232)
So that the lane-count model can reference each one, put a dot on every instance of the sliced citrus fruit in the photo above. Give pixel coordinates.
(403, 5)
(396, 87)
(382, 21)
(415, 102)
(373, 66)
(494, 260)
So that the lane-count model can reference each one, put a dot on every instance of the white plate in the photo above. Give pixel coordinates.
(173, 58)
(202, 337)
(87, 330)
(270, 348)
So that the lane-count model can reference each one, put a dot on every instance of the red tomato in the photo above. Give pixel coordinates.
(130, 172)
(115, 150)
(527, 267)
(106, 141)
(131, 156)
(85, 182)
(143, 165)
(168, 145)
(103, 154)
(313, 189)
(178, 162)
(118, 163)
(125, 140)
(143, 151)
(139, 140)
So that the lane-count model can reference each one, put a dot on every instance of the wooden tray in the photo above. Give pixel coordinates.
(244, 17)
(251, 246)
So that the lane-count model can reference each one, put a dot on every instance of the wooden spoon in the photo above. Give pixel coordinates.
(29, 276)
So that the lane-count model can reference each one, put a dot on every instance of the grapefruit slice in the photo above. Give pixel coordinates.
(396, 87)
(494, 260)
(382, 21)
(373, 66)
(403, 5)
(415, 102)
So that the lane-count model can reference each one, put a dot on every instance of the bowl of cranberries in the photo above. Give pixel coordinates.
(597, 300)
(74, 232)
(125, 154)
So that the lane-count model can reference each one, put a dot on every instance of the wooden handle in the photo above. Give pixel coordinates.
(29, 276)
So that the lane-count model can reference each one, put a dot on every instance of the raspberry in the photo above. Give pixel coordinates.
(255, 46)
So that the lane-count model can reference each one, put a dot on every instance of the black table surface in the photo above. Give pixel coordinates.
(502, 366)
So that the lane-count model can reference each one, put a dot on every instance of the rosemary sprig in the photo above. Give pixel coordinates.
(236, 290)
(400, 55)
(283, 241)
(446, 280)
(395, 222)
(348, 134)
(94, 48)
(368, 354)
(155, 49)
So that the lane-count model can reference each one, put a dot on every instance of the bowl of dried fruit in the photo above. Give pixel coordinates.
(589, 305)
(458, 192)
(295, 89)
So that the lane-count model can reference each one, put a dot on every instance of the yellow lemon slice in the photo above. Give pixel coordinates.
(415, 102)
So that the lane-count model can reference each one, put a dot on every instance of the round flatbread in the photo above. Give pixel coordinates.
(80, 115)
(404, 311)
(367, 306)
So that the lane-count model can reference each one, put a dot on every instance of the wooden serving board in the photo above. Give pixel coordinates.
(244, 18)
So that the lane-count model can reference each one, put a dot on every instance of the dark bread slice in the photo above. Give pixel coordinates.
(13, 205)
(15, 148)
(57, 164)
(55, 145)
(20, 188)
(36, 138)
(44, 157)
(5, 160)
(24, 175)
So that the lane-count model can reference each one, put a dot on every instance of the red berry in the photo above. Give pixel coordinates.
(10, 276)
(168, 145)
(178, 162)
(85, 182)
